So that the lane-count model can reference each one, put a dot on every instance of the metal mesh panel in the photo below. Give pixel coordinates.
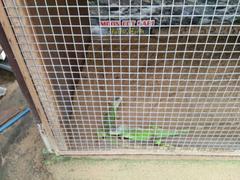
(153, 76)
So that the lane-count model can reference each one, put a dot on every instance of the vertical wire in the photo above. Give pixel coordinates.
(198, 34)
(129, 72)
(186, 113)
(105, 74)
(194, 84)
(112, 61)
(137, 71)
(94, 148)
(155, 72)
(94, 60)
(121, 74)
(74, 84)
(214, 76)
(201, 113)
(81, 79)
(227, 132)
(54, 130)
(208, 134)
(146, 79)
(167, 125)
(187, 83)
(64, 76)
(51, 59)
(103, 59)
(179, 77)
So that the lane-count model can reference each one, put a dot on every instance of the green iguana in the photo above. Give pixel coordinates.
(137, 134)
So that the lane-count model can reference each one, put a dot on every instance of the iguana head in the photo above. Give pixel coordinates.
(117, 101)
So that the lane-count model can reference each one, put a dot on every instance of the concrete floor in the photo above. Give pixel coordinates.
(102, 169)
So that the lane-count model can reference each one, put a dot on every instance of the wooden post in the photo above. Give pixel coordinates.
(24, 78)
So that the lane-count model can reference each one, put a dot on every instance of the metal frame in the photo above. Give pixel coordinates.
(71, 103)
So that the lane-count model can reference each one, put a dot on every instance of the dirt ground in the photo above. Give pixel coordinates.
(23, 157)
(21, 146)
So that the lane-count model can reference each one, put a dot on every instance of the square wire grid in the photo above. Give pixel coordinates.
(174, 69)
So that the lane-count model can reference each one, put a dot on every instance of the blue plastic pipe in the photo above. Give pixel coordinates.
(14, 119)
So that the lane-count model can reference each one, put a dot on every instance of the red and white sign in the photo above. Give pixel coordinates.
(128, 23)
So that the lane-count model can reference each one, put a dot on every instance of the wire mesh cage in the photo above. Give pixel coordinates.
(134, 76)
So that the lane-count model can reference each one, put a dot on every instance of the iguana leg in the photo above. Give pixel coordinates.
(158, 142)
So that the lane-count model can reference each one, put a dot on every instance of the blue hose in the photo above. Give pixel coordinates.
(14, 119)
